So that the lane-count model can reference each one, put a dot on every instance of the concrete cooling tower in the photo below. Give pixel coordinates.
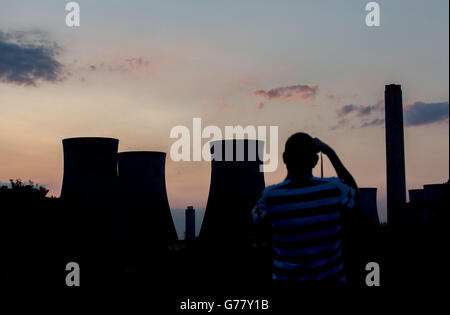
(368, 203)
(144, 198)
(90, 186)
(236, 185)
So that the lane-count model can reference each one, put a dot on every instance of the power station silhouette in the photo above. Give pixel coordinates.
(125, 193)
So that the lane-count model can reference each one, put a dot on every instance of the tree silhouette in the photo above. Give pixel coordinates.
(18, 189)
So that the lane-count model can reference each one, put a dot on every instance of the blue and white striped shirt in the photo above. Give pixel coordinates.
(304, 216)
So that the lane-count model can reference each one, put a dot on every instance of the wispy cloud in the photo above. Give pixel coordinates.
(28, 57)
(341, 123)
(360, 110)
(416, 114)
(421, 113)
(133, 64)
(373, 122)
(340, 98)
(299, 92)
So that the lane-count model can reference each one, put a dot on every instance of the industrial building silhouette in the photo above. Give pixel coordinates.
(427, 204)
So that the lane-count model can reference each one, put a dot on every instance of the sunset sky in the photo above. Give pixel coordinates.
(135, 69)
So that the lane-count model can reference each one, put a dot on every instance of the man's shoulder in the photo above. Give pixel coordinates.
(333, 180)
(339, 184)
(278, 186)
(289, 185)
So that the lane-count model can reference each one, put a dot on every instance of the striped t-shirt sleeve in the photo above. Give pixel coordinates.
(348, 193)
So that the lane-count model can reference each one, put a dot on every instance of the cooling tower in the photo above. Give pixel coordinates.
(89, 186)
(368, 203)
(144, 199)
(395, 154)
(90, 168)
(236, 185)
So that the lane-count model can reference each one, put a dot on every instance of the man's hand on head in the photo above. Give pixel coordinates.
(323, 147)
(340, 169)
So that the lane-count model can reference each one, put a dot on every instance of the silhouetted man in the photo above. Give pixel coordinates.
(303, 213)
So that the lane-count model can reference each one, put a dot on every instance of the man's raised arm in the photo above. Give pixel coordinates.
(341, 171)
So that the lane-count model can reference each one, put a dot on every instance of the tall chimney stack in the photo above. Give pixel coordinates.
(190, 223)
(395, 154)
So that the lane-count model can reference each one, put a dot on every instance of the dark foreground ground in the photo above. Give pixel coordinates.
(38, 237)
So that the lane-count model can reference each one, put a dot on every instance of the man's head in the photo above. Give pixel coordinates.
(300, 153)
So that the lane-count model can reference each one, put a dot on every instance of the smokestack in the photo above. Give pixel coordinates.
(368, 203)
(190, 223)
(395, 154)
(89, 186)
(236, 185)
(144, 197)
